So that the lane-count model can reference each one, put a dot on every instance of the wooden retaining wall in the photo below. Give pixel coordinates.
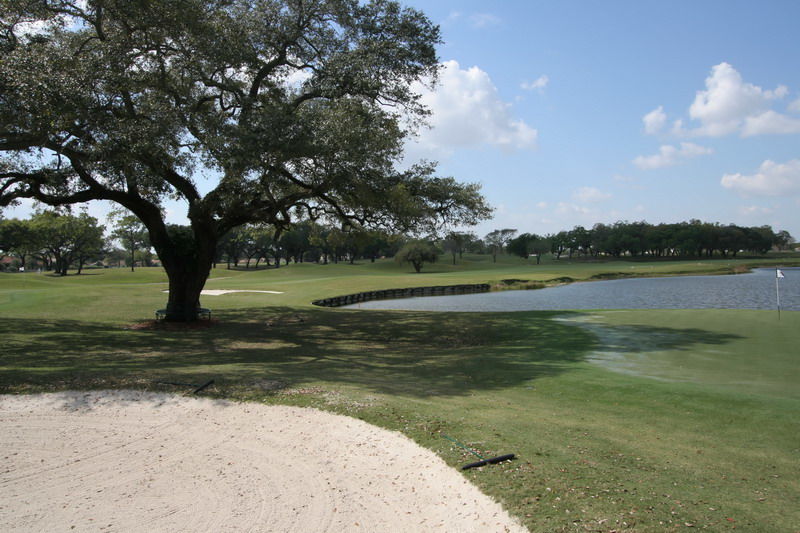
(390, 294)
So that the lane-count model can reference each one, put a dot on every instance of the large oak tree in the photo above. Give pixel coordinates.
(247, 110)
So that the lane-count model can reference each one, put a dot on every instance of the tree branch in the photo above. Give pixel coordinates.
(183, 185)
(266, 70)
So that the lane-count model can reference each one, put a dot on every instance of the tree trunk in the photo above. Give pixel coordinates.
(184, 292)
(60, 265)
(187, 260)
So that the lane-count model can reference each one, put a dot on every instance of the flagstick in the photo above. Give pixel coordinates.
(777, 294)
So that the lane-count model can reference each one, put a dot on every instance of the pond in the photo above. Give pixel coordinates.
(754, 290)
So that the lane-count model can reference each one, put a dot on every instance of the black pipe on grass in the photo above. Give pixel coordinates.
(483, 460)
(490, 461)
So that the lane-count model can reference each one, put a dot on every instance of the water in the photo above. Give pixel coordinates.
(755, 290)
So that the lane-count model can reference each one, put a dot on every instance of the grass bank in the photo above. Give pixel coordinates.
(622, 420)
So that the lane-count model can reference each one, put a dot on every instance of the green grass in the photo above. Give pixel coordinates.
(622, 420)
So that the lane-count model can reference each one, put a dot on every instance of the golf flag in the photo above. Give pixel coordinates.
(779, 273)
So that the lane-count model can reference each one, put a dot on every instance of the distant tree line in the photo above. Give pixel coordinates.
(59, 241)
(305, 242)
(53, 240)
(640, 239)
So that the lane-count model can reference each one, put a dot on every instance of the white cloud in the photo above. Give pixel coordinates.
(770, 122)
(27, 28)
(296, 78)
(678, 129)
(33, 28)
(669, 155)
(755, 210)
(654, 121)
(564, 208)
(771, 179)
(467, 111)
(795, 106)
(539, 83)
(730, 105)
(452, 17)
(590, 195)
(484, 20)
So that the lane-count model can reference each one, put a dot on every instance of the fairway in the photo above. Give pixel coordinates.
(629, 421)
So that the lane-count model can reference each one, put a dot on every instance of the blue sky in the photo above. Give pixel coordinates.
(576, 112)
(544, 104)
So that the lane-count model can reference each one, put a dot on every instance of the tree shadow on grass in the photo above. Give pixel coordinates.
(660, 353)
(410, 353)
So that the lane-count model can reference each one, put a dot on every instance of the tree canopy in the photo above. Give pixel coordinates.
(18, 238)
(131, 233)
(684, 239)
(417, 253)
(497, 240)
(250, 111)
(65, 239)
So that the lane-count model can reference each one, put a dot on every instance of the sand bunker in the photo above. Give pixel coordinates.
(220, 292)
(134, 461)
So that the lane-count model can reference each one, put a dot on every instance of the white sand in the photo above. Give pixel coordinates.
(133, 461)
(220, 292)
